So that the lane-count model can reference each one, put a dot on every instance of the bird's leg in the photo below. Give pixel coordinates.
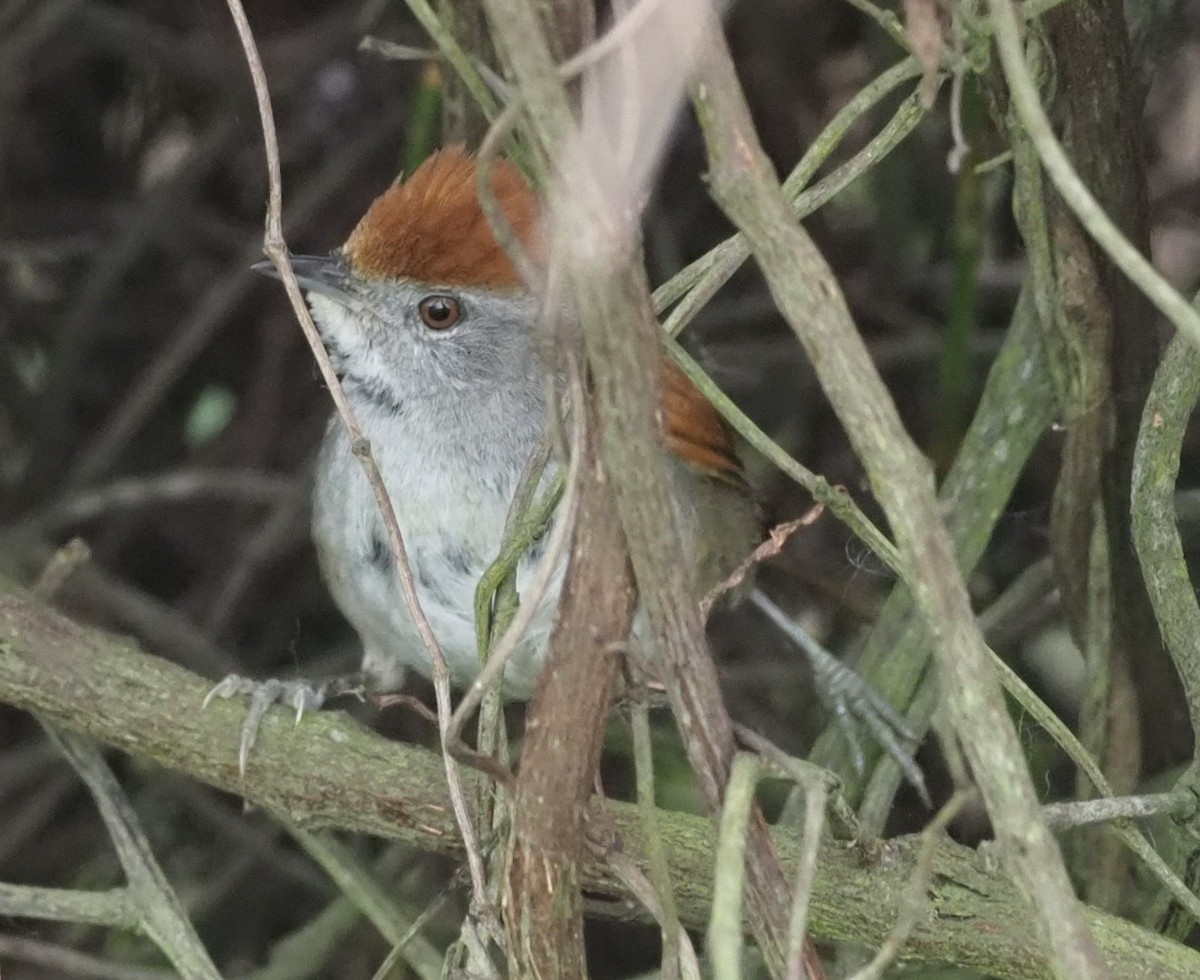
(301, 695)
(851, 699)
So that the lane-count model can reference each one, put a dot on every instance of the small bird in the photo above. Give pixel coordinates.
(430, 329)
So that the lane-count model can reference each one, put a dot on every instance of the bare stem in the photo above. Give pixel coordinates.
(803, 286)
(275, 248)
(1081, 200)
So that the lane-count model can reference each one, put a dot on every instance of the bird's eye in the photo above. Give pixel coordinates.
(439, 312)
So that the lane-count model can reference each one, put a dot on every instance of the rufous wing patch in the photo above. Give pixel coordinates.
(430, 228)
(693, 429)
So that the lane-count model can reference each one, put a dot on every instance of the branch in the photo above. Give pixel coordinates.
(160, 913)
(745, 186)
(1156, 535)
(593, 212)
(354, 780)
(973, 495)
(275, 247)
(564, 734)
(1091, 215)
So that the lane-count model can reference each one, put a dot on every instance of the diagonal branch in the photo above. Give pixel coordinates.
(594, 235)
(159, 911)
(744, 184)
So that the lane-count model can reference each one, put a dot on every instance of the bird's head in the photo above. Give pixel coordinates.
(422, 302)
(422, 305)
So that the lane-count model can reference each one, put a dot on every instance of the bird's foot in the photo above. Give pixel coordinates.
(300, 695)
(852, 700)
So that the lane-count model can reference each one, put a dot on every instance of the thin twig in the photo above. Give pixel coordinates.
(815, 799)
(673, 935)
(420, 922)
(285, 525)
(550, 568)
(679, 963)
(836, 499)
(61, 566)
(312, 947)
(160, 912)
(114, 907)
(1180, 804)
(725, 924)
(214, 310)
(1133, 838)
(63, 962)
(1077, 196)
(777, 538)
(502, 228)
(394, 51)
(1169, 407)
(458, 59)
(961, 149)
(359, 885)
(885, 19)
(275, 248)
(709, 272)
(805, 775)
(156, 212)
(915, 900)
(179, 486)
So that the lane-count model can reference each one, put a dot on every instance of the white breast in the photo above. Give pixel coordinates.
(452, 518)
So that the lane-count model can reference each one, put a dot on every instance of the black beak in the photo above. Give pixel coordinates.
(326, 274)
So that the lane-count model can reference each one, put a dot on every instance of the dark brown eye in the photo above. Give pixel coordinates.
(439, 312)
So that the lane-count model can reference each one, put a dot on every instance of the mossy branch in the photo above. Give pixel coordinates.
(330, 772)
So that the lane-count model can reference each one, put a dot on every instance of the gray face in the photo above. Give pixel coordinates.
(447, 388)
(397, 343)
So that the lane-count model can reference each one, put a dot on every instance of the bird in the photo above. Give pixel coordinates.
(430, 329)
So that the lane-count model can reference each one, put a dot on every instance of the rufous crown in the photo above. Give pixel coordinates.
(431, 228)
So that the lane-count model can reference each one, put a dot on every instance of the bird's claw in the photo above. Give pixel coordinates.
(852, 701)
(300, 695)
